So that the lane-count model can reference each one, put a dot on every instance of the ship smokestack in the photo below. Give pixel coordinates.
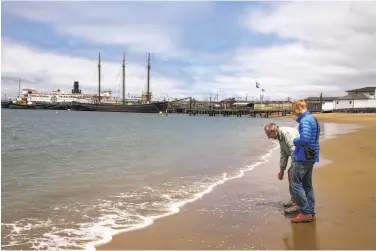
(76, 88)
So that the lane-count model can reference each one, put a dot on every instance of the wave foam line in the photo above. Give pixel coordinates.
(174, 209)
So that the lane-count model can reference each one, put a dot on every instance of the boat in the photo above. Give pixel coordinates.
(145, 105)
(22, 103)
(101, 102)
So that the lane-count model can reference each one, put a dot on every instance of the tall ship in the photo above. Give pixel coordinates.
(103, 101)
(143, 105)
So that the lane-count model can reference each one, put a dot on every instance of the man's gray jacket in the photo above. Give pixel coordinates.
(286, 136)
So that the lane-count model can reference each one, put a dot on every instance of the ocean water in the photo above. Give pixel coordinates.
(72, 180)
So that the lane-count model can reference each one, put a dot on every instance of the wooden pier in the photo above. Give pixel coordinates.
(231, 107)
(263, 113)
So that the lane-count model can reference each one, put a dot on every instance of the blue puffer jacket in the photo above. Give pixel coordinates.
(309, 131)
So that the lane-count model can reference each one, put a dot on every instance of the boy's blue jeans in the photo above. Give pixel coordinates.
(302, 187)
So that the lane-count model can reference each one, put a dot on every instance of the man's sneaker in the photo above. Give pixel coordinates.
(302, 218)
(292, 210)
(288, 204)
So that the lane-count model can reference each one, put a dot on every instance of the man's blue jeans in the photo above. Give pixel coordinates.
(302, 187)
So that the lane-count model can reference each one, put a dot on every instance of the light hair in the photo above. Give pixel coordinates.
(299, 104)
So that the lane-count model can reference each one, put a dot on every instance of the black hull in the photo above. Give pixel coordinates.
(134, 108)
(21, 107)
(6, 104)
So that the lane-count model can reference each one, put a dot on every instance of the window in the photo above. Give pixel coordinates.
(337, 102)
(350, 102)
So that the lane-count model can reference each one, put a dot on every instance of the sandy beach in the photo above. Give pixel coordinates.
(234, 216)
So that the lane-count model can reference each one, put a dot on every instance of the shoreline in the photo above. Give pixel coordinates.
(176, 209)
(186, 217)
(161, 232)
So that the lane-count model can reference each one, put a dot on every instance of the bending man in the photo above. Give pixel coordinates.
(285, 136)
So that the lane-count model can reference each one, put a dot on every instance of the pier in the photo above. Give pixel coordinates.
(230, 107)
(213, 113)
(262, 113)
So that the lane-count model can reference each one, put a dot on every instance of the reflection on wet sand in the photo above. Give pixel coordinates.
(330, 130)
(303, 237)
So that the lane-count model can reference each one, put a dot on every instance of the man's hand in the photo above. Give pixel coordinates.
(280, 174)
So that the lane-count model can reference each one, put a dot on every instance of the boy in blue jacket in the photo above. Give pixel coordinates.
(306, 154)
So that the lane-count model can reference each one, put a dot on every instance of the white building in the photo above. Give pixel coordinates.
(324, 104)
(362, 98)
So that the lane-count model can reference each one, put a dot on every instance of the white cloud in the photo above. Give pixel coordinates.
(327, 47)
(139, 38)
(152, 27)
(332, 50)
(46, 71)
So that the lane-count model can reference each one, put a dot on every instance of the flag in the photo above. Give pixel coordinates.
(257, 84)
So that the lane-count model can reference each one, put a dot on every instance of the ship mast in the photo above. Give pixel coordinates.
(19, 88)
(99, 78)
(124, 79)
(148, 81)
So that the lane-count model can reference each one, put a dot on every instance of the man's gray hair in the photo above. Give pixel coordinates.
(270, 127)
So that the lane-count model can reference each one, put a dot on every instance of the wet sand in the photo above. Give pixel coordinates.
(247, 213)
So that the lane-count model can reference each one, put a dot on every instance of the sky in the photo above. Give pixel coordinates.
(198, 49)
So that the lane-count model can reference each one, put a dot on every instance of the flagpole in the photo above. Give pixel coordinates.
(262, 90)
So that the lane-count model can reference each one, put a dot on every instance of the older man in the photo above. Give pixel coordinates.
(285, 136)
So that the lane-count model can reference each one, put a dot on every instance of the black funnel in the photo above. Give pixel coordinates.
(76, 88)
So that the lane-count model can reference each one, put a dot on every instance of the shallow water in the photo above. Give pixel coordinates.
(74, 179)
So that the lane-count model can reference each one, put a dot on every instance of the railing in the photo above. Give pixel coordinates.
(273, 108)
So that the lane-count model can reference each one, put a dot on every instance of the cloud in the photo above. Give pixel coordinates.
(45, 71)
(328, 47)
(297, 49)
(153, 27)
(139, 38)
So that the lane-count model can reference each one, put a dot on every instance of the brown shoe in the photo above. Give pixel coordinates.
(313, 217)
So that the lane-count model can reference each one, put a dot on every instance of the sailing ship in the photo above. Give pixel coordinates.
(103, 101)
(145, 105)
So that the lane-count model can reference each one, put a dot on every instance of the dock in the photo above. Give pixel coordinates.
(231, 108)
(262, 113)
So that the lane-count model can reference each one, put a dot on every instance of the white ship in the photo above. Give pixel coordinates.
(58, 96)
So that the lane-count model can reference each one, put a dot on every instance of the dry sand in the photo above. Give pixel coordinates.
(246, 213)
